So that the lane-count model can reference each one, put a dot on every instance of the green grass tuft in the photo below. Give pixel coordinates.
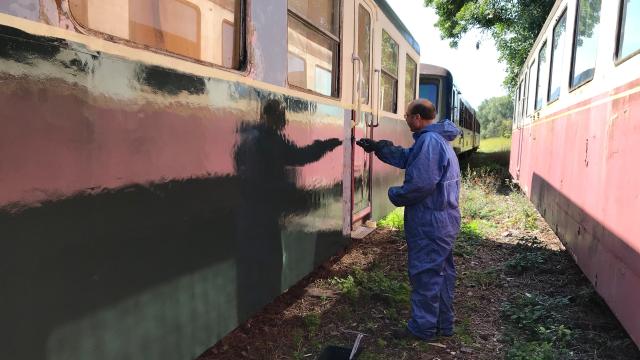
(394, 221)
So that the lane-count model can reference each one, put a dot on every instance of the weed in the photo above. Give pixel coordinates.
(469, 239)
(375, 285)
(395, 220)
(530, 256)
(463, 332)
(534, 350)
(482, 278)
(347, 286)
(311, 322)
(538, 318)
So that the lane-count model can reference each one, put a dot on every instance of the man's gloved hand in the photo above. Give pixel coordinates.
(371, 145)
(367, 145)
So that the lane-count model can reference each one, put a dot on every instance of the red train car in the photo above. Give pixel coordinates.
(575, 141)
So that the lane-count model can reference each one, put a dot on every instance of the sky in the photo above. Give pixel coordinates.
(476, 72)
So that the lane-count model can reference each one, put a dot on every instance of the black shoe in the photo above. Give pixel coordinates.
(445, 333)
(405, 334)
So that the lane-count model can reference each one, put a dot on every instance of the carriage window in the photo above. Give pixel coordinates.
(629, 40)
(517, 105)
(524, 95)
(389, 77)
(542, 76)
(429, 91)
(364, 49)
(323, 81)
(532, 88)
(585, 43)
(201, 30)
(297, 71)
(410, 81)
(313, 37)
(557, 56)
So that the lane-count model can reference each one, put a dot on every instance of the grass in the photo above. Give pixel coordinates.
(393, 221)
(517, 296)
(493, 145)
(374, 285)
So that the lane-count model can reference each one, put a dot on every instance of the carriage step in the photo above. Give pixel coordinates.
(361, 232)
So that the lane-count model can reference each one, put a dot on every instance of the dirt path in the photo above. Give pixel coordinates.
(519, 295)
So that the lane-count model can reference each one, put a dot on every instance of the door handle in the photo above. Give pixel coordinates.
(377, 116)
(356, 88)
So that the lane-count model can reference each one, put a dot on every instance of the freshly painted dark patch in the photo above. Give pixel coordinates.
(23, 47)
(170, 82)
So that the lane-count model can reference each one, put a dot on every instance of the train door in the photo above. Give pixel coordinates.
(363, 121)
(519, 117)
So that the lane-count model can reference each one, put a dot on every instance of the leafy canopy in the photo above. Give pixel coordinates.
(495, 116)
(513, 24)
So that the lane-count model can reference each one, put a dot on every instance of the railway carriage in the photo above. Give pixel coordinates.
(168, 167)
(575, 136)
(437, 85)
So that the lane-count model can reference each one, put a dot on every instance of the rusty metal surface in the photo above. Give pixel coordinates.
(578, 169)
(140, 205)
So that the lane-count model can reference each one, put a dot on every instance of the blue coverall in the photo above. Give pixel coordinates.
(432, 222)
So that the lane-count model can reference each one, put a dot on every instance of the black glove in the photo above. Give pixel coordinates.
(367, 145)
(371, 145)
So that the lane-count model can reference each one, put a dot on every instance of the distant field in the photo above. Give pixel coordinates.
(495, 144)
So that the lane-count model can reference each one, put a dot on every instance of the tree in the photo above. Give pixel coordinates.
(495, 116)
(513, 24)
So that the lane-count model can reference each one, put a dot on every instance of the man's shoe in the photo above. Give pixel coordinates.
(445, 333)
(405, 334)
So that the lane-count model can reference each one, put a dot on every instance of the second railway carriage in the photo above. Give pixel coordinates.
(575, 142)
(436, 84)
(168, 167)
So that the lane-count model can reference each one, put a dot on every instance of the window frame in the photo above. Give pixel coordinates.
(574, 50)
(525, 94)
(384, 72)
(364, 6)
(543, 98)
(240, 31)
(415, 78)
(564, 12)
(616, 51)
(336, 61)
(533, 105)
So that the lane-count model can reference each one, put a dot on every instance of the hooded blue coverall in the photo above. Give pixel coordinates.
(432, 223)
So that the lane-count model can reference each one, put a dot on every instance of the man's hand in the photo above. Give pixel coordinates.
(371, 145)
(367, 145)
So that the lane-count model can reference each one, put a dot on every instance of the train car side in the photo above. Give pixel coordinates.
(574, 144)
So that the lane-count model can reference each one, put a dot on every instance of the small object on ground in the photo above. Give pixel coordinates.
(320, 293)
(342, 353)
(438, 345)
(371, 224)
(466, 350)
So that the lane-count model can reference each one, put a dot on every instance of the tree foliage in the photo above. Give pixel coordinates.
(513, 24)
(495, 116)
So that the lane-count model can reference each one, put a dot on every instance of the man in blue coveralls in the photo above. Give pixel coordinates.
(431, 216)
